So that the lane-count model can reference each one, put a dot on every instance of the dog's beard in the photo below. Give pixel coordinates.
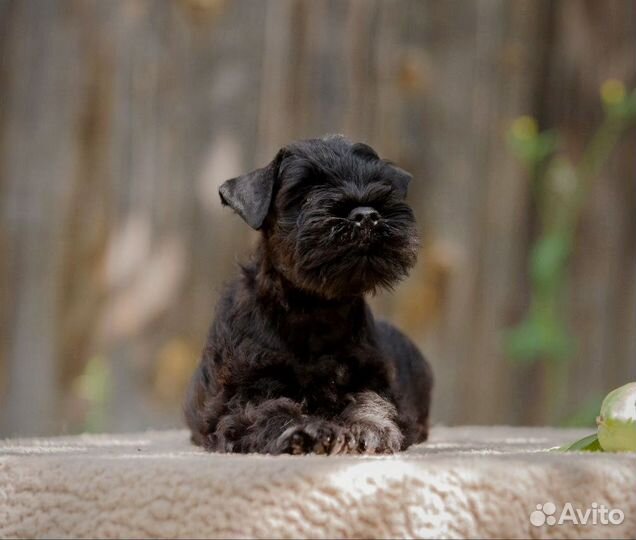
(336, 258)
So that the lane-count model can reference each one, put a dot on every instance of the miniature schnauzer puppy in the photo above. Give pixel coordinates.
(295, 362)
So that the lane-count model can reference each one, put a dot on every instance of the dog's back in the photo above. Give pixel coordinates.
(414, 377)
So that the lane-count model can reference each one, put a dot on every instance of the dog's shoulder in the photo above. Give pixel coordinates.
(390, 336)
(397, 344)
(412, 367)
(238, 293)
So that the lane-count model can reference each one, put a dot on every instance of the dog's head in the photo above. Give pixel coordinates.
(333, 215)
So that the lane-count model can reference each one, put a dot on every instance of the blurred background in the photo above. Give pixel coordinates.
(120, 119)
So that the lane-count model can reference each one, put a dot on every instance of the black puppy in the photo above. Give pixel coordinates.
(295, 362)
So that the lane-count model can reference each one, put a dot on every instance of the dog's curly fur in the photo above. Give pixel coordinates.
(295, 362)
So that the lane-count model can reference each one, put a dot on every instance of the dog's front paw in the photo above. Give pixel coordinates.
(371, 440)
(317, 437)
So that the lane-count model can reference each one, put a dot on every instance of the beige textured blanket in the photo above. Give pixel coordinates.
(467, 482)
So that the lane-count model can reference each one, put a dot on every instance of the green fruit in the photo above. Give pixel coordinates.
(617, 421)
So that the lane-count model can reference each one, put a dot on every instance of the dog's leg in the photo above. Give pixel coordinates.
(371, 424)
(275, 426)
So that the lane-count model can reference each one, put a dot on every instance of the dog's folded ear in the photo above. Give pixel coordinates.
(250, 195)
(364, 151)
(401, 179)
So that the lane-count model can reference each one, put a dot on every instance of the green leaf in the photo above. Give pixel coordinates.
(586, 444)
(547, 144)
(533, 150)
(524, 343)
(625, 109)
(538, 336)
(549, 256)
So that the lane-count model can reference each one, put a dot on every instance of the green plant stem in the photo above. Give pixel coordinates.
(559, 215)
(595, 156)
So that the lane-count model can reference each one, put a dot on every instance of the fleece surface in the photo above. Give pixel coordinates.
(466, 482)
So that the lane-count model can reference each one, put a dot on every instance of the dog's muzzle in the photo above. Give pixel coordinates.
(364, 216)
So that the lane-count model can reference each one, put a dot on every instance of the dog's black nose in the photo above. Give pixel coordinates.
(364, 215)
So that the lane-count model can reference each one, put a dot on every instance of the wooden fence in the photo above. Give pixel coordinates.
(119, 119)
